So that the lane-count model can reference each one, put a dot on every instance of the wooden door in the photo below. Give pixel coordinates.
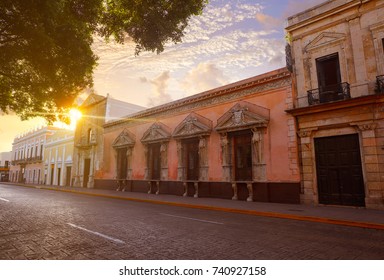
(154, 161)
(242, 156)
(191, 148)
(339, 171)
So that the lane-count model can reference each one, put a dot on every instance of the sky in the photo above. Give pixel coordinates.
(232, 40)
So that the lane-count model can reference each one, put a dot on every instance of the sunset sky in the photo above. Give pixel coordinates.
(230, 41)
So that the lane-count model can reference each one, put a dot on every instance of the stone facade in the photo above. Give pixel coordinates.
(88, 140)
(235, 142)
(337, 61)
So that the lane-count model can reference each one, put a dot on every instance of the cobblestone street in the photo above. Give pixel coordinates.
(43, 224)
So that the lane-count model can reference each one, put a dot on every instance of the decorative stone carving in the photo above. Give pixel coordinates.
(192, 126)
(242, 116)
(225, 157)
(325, 38)
(124, 139)
(366, 126)
(158, 132)
(257, 150)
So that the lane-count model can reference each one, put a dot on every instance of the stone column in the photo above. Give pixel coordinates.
(164, 161)
(258, 165)
(224, 142)
(308, 192)
(90, 183)
(370, 160)
(359, 58)
(180, 161)
(203, 159)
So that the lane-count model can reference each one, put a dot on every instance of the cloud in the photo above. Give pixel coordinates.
(268, 21)
(226, 36)
(204, 77)
(159, 85)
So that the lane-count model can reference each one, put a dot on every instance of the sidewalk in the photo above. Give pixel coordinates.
(347, 216)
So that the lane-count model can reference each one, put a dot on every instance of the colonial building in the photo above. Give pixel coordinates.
(337, 59)
(235, 142)
(57, 158)
(88, 141)
(27, 155)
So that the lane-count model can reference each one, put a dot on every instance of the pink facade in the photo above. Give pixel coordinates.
(234, 141)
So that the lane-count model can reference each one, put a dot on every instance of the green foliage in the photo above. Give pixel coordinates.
(45, 45)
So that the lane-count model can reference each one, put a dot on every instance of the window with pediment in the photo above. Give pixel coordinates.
(191, 135)
(241, 130)
(155, 141)
(123, 146)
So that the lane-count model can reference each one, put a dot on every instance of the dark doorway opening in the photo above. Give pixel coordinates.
(154, 161)
(242, 155)
(68, 176)
(191, 157)
(122, 164)
(87, 169)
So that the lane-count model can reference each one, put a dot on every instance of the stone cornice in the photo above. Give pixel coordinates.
(324, 10)
(349, 103)
(269, 81)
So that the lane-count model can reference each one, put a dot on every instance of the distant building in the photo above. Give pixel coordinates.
(27, 156)
(234, 142)
(337, 59)
(88, 140)
(5, 164)
(58, 158)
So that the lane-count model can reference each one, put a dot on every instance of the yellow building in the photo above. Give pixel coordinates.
(58, 155)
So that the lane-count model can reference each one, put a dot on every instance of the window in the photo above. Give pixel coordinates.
(242, 155)
(328, 73)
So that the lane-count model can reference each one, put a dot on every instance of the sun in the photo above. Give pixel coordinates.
(74, 115)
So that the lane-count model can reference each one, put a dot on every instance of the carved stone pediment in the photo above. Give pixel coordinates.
(92, 98)
(125, 139)
(242, 116)
(323, 39)
(192, 126)
(158, 132)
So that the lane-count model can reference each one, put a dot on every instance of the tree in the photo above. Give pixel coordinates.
(45, 45)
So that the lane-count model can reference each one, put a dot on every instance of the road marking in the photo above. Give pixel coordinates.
(193, 219)
(3, 199)
(98, 234)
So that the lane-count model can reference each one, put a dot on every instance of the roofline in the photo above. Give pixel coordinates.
(332, 11)
(240, 85)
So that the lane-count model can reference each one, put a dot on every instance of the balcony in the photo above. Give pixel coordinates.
(28, 160)
(380, 84)
(329, 94)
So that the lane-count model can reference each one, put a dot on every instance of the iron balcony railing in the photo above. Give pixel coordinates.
(329, 94)
(380, 84)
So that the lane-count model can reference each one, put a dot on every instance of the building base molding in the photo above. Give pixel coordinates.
(278, 192)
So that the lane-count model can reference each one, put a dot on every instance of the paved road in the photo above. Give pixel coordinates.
(43, 224)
